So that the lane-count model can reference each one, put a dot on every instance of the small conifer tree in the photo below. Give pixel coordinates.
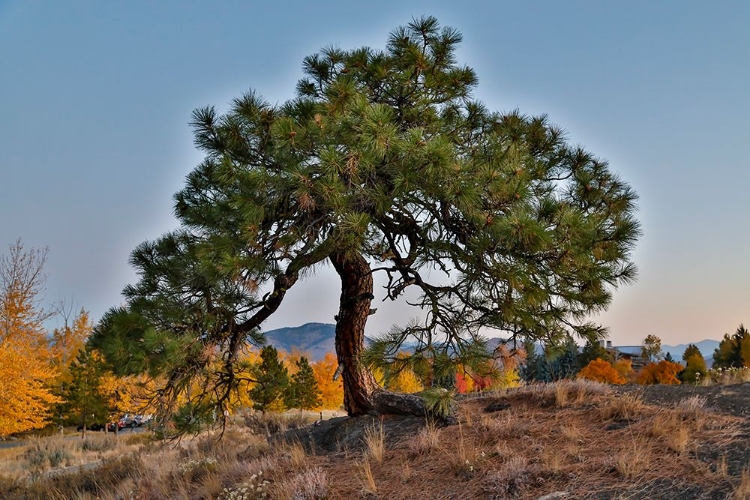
(271, 379)
(303, 392)
(85, 403)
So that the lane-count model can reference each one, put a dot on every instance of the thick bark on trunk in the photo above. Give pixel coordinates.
(354, 308)
(362, 395)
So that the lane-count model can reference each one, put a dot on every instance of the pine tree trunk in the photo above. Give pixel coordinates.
(354, 308)
(362, 395)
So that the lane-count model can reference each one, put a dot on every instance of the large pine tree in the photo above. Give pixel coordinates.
(382, 163)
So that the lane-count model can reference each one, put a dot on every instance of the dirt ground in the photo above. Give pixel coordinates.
(533, 448)
(727, 399)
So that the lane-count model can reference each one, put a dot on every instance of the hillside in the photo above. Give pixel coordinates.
(706, 347)
(567, 440)
(316, 339)
(312, 339)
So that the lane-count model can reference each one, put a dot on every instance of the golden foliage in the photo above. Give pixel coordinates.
(599, 370)
(25, 369)
(241, 398)
(25, 397)
(67, 343)
(331, 391)
(401, 379)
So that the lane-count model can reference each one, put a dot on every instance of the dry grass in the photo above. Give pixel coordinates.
(311, 484)
(427, 440)
(671, 429)
(592, 440)
(722, 469)
(742, 490)
(562, 394)
(633, 459)
(624, 407)
(572, 432)
(366, 478)
(375, 442)
(406, 472)
(553, 458)
(297, 455)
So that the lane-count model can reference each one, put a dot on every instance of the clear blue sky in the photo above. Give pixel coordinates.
(95, 98)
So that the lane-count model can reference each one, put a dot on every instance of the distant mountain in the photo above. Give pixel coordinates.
(311, 339)
(316, 339)
(707, 348)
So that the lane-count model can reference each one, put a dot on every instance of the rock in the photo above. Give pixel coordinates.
(347, 433)
(393, 403)
(497, 406)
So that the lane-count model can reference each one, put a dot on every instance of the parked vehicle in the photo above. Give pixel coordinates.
(113, 426)
(91, 427)
(129, 420)
(143, 419)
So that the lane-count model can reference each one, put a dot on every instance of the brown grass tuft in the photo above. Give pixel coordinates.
(631, 461)
(625, 407)
(375, 442)
(509, 479)
(742, 489)
(722, 470)
(364, 473)
(553, 458)
(562, 394)
(297, 455)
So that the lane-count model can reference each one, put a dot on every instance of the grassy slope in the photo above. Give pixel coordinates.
(582, 440)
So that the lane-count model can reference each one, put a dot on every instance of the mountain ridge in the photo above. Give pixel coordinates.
(317, 339)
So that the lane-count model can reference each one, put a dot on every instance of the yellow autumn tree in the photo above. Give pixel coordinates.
(69, 339)
(624, 368)
(26, 371)
(331, 391)
(401, 378)
(241, 397)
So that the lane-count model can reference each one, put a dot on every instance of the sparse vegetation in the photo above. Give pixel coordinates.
(375, 442)
(599, 440)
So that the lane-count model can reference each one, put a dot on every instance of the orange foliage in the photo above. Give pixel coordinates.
(464, 383)
(625, 368)
(25, 368)
(331, 392)
(601, 371)
(663, 372)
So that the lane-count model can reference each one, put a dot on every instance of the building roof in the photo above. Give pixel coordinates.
(632, 350)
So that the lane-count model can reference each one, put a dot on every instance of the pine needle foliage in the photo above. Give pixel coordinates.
(439, 402)
(303, 392)
(271, 380)
(383, 159)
